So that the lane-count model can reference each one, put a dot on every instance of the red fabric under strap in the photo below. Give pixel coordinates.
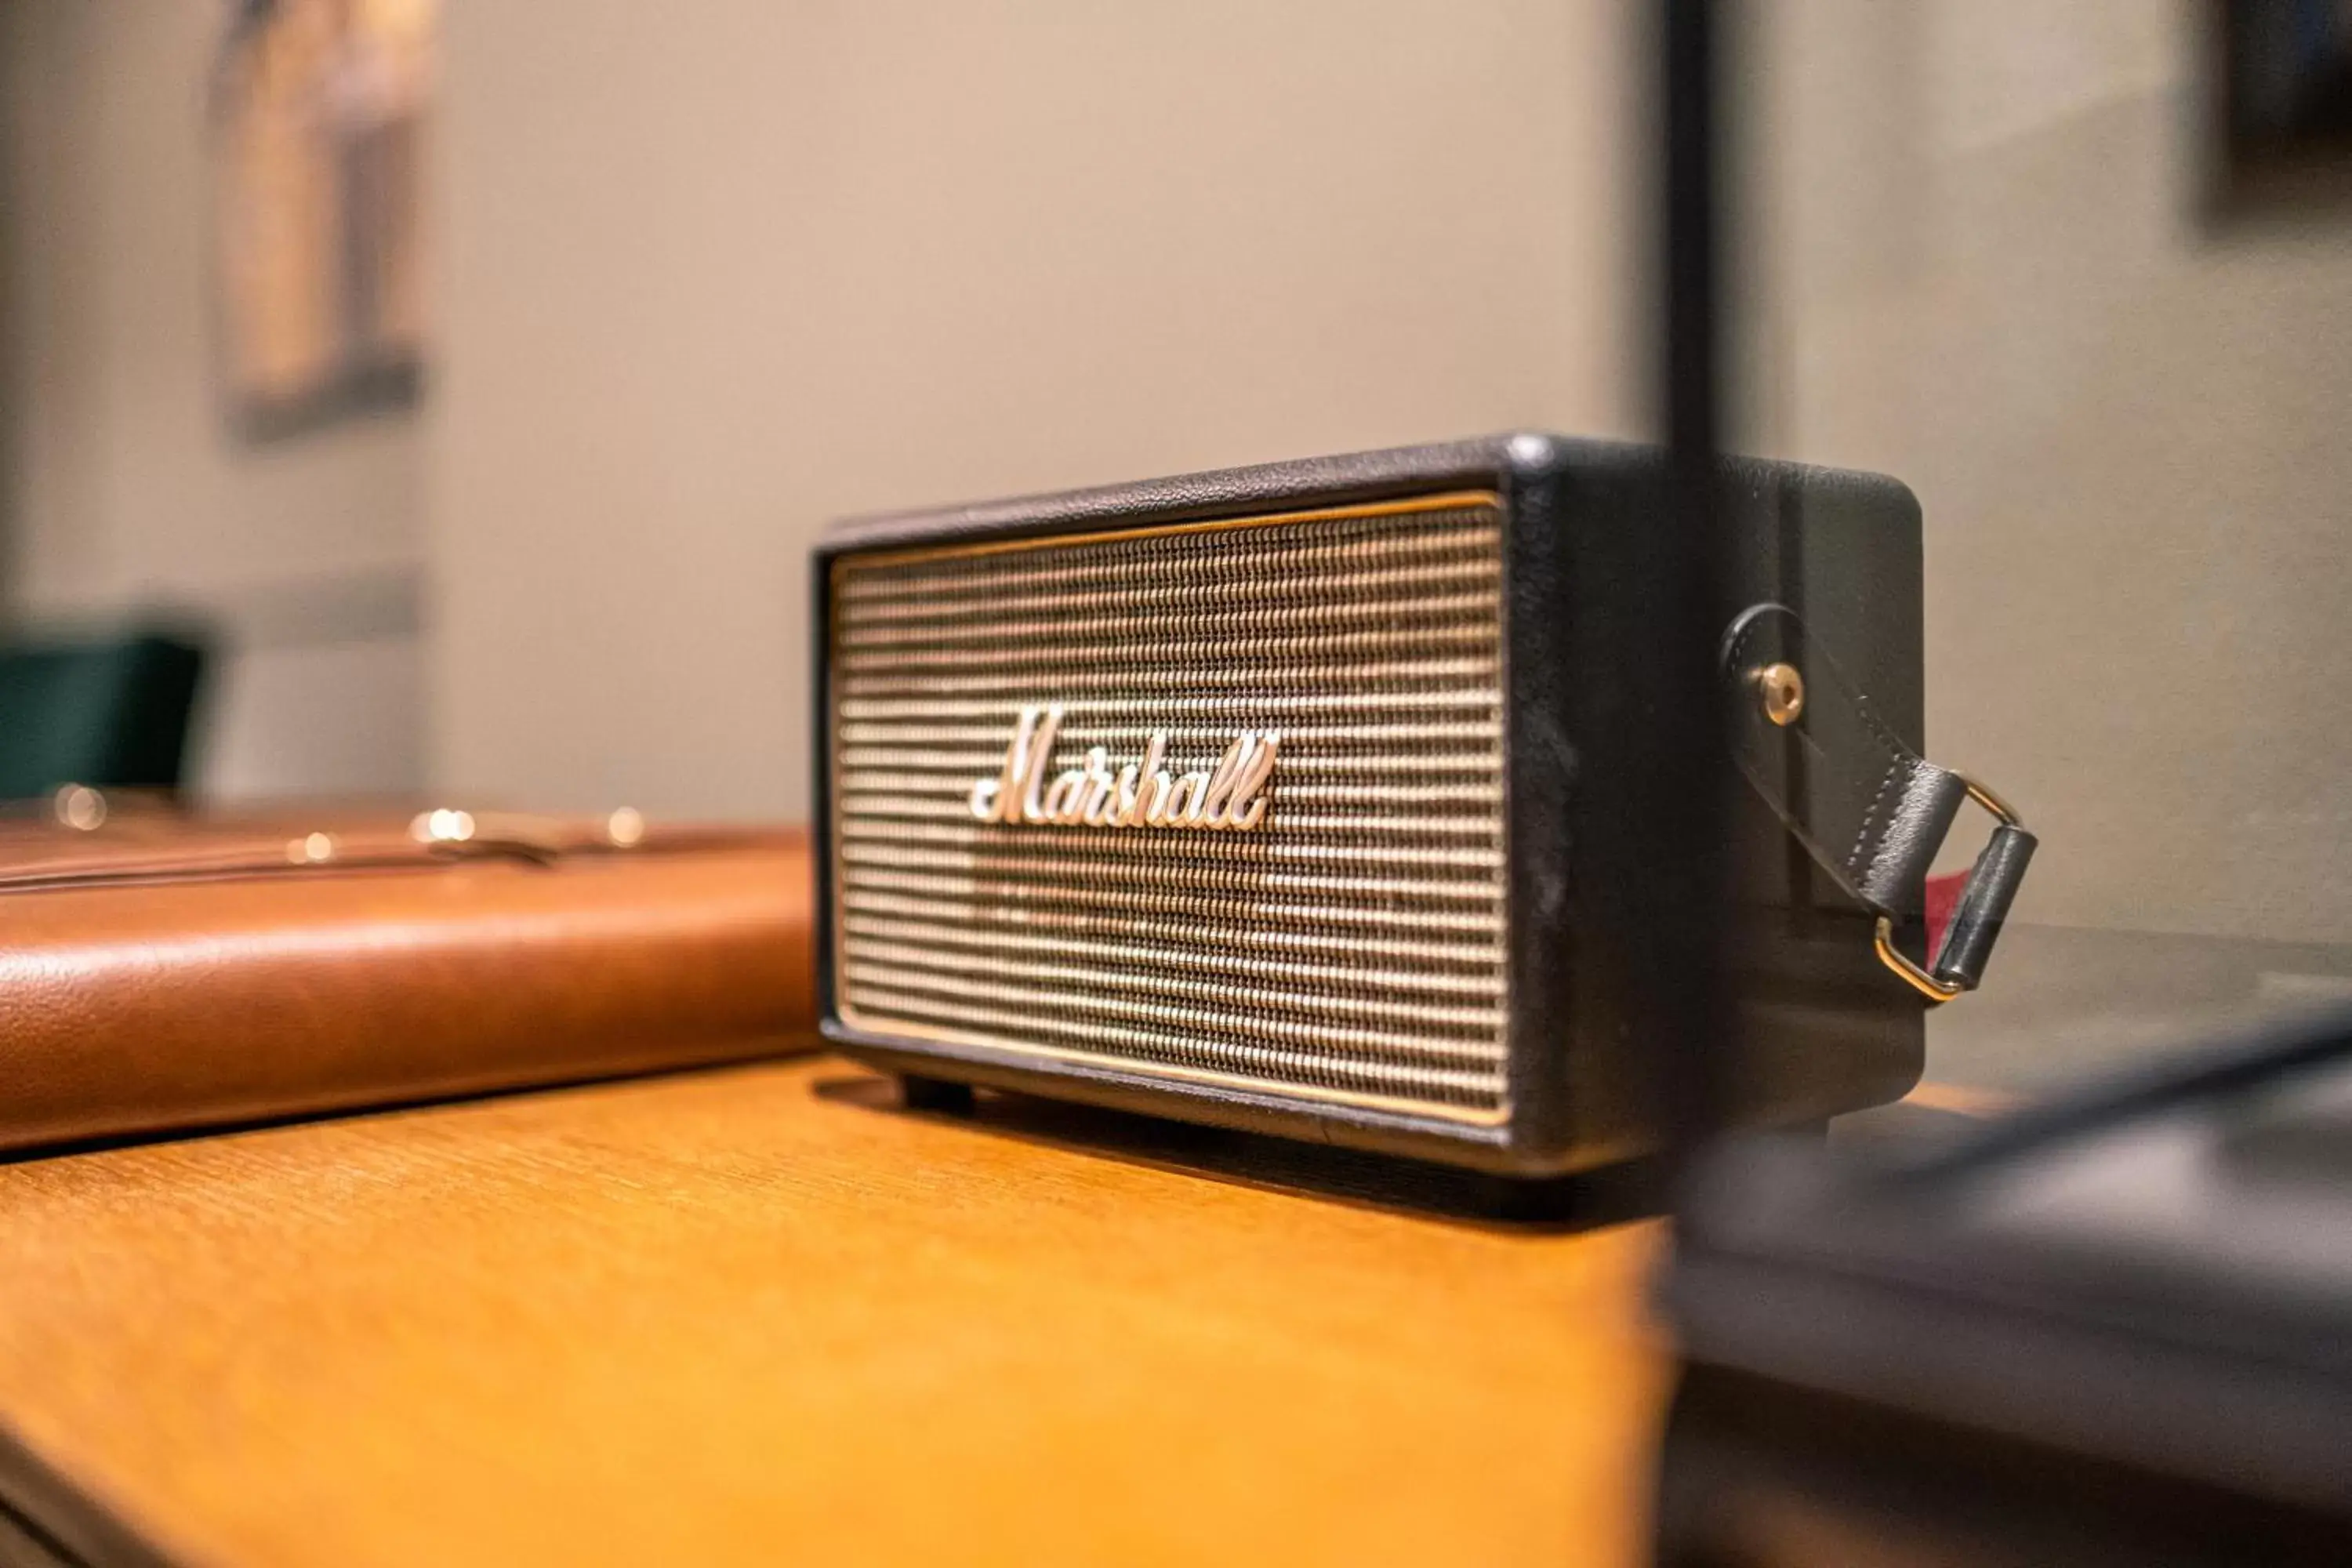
(1943, 897)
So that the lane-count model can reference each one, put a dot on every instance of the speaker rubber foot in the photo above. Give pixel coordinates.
(943, 1096)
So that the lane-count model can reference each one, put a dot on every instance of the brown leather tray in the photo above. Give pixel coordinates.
(160, 973)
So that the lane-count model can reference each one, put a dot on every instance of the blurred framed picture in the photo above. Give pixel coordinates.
(2279, 136)
(320, 114)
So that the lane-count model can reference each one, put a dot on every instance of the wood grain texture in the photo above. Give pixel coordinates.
(754, 1314)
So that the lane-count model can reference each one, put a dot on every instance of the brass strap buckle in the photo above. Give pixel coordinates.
(1869, 810)
(1958, 965)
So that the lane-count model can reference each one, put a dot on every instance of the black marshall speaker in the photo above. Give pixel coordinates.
(1289, 798)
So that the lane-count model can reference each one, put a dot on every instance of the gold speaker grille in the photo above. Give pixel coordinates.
(1351, 947)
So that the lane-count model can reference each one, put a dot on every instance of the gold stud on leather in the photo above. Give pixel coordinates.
(79, 807)
(442, 826)
(312, 849)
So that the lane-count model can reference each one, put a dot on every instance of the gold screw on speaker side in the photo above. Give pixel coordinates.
(1783, 690)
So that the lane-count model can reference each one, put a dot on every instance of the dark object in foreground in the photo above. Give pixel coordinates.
(2116, 1330)
(1330, 799)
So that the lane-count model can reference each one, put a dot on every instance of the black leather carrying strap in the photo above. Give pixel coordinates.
(1870, 810)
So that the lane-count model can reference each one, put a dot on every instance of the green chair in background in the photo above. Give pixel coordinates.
(104, 712)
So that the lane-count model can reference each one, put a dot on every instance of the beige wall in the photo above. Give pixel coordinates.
(2128, 436)
(714, 276)
(119, 487)
(715, 280)
(719, 274)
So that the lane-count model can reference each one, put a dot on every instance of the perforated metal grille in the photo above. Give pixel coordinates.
(1351, 947)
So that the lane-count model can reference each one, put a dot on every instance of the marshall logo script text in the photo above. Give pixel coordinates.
(1231, 795)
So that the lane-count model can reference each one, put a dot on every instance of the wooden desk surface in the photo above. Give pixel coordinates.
(758, 1315)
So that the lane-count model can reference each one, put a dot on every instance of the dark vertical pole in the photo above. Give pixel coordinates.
(1688, 188)
(1688, 983)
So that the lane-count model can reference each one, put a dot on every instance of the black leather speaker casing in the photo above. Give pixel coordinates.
(1824, 1027)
